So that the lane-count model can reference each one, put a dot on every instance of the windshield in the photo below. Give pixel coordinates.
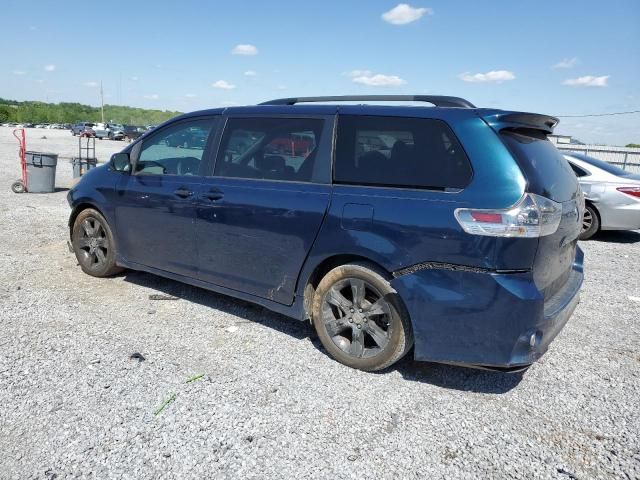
(607, 167)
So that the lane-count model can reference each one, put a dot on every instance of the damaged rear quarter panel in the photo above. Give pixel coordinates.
(470, 317)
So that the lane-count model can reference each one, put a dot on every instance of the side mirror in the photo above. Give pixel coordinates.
(121, 162)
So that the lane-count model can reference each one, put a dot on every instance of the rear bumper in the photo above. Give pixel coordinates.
(485, 319)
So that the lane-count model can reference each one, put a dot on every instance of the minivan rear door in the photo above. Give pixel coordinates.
(260, 209)
(549, 174)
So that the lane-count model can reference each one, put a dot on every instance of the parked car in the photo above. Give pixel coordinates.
(101, 130)
(116, 131)
(82, 127)
(190, 138)
(459, 241)
(612, 195)
(132, 132)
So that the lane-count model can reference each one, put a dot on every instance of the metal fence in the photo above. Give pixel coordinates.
(623, 157)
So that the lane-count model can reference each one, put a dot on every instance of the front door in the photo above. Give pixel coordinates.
(258, 215)
(155, 209)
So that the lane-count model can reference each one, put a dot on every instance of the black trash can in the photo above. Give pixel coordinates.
(82, 165)
(41, 172)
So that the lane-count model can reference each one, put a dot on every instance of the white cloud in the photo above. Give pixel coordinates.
(49, 68)
(404, 13)
(366, 77)
(358, 73)
(244, 49)
(494, 76)
(91, 84)
(587, 81)
(190, 95)
(223, 84)
(153, 96)
(567, 63)
(18, 72)
(250, 73)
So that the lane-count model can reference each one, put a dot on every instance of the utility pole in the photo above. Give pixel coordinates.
(101, 101)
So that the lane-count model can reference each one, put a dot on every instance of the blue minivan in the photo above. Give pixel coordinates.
(443, 227)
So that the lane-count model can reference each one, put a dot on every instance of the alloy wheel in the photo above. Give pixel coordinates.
(93, 244)
(587, 220)
(357, 318)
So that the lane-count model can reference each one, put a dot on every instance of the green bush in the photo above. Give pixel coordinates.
(41, 112)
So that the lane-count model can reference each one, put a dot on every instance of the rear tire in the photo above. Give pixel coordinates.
(360, 319)
(93, 244)
(590, 223)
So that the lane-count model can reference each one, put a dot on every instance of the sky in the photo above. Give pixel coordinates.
(554, 57)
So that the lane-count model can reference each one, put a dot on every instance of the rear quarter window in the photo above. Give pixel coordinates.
(580, 172)
(399, 152)
(548, 173)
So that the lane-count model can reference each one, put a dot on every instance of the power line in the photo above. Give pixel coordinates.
(598, 114)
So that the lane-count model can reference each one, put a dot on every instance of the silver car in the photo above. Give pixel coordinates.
(612, 195)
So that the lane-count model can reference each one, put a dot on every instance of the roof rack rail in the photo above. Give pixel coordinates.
(437, 100)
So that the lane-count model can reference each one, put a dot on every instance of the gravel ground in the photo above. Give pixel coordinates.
(271, 403)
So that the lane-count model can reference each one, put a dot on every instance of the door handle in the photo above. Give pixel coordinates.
(183, 193)
(213, 195)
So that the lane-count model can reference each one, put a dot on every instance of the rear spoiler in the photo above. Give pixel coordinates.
(499, 120)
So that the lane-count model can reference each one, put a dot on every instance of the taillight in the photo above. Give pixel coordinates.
(533, 216)
(633, 191)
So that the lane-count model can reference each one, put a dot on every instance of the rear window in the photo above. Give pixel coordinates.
(548, 173)
(601, 164)
(580, 172)
(400, 152)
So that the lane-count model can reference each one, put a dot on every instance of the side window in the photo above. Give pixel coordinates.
(176, 149)
(402, 152)
(578, 171)
(269, 148)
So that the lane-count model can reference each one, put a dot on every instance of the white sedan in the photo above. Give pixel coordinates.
(612, 195)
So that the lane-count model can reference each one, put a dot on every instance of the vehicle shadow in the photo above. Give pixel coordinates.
(249, 312)
(460, 378)
(445, 376)
(617, 236)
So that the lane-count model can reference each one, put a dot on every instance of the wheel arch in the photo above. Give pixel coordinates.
(78, 209)
(595, 209)
(325, 266)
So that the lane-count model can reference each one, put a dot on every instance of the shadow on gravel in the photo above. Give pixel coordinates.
(614, 236)
(458, 378)
(248, 311)
(445, 376)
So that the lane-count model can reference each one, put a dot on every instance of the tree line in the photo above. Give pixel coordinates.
(42, 112)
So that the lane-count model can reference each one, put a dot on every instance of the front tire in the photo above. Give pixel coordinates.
(93, 244)
(360, 319)
(590, 223)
